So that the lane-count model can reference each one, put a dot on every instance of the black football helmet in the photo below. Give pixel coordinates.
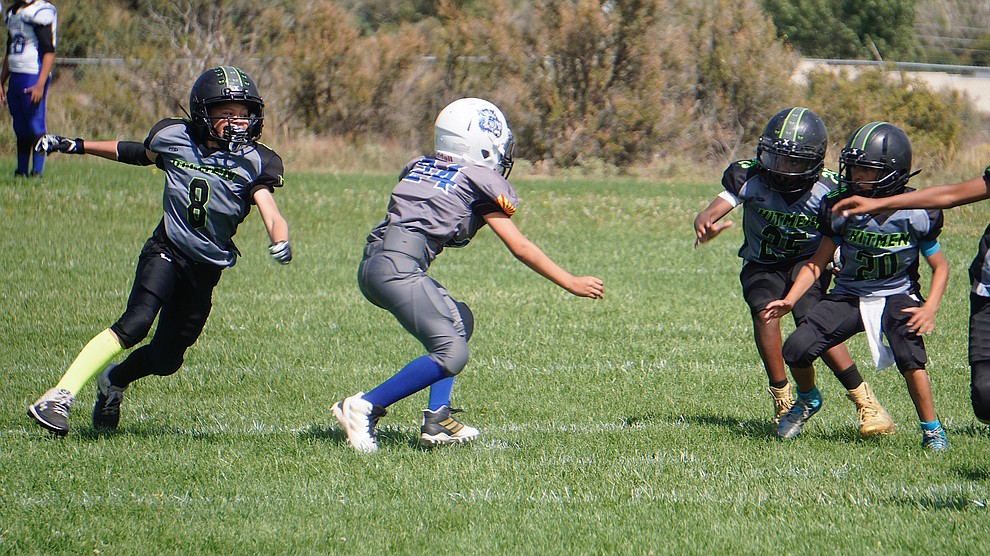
(880, 146)
(221, 85)
(792, 149)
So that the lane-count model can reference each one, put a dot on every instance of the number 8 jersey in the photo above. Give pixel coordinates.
(778, 229)
(208, 192)
(880, 252)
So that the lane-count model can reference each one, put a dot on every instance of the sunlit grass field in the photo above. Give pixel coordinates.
(636, 424)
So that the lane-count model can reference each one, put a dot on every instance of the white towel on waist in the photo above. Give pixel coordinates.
(871, 312)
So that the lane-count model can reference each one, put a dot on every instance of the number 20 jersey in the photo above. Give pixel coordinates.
(880, 252)
(208, 192)
(777, 231)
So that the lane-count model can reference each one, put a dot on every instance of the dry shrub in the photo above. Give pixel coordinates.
(933, 121)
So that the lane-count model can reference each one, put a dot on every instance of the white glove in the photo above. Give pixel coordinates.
(57, 144)
(280, 251)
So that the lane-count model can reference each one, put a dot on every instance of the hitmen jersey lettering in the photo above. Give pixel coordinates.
(879, 253)
(445, 202)
(776, 230)
(208, 192)
(23, 45)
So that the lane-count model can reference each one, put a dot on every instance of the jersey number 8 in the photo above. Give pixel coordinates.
(199, 195)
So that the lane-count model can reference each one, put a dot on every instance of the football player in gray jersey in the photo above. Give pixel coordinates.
(215, 169)
(441, 201)
(942, 197)
(877, 290)
(781, 191)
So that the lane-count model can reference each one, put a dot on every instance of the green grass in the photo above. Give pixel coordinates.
(634, 425)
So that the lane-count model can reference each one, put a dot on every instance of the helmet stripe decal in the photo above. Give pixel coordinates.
(792, 122)
(865, 132)
(229, 76)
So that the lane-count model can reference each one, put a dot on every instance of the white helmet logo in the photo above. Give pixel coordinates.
(488, 121)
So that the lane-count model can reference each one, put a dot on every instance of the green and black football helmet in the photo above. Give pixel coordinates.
(792, 149)
(220, 85)
(879, 146)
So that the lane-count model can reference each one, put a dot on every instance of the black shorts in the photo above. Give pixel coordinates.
(979, 328)
(173, 287)
(836, 319)
(762, 284)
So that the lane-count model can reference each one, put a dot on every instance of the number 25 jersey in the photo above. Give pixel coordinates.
(778, 229)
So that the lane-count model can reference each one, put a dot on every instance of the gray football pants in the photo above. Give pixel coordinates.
(395, 282)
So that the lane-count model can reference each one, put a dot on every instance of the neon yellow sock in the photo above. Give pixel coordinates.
(90, 361)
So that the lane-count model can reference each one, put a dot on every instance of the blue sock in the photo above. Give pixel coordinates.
(38, 161)
(415, 376)
(930, 425)
(813, 397)
(23, 160)
(440, 393)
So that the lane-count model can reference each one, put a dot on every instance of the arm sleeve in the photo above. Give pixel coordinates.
(132, 152)
(271, 175)
(46, 39)
(935, 219)
(730, 198)
(929, 247)
(735, 176)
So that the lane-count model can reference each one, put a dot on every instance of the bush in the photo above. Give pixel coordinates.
(591, 84)
(847, 101)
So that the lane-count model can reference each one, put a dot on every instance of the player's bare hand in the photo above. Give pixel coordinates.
(922, 321)
(776, 309)
(36, 93)
(855, 205)
(705, 231)
(587, 286)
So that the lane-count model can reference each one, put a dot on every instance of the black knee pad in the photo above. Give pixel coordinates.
(980, 390)
(164, 365)
(134, 325)
(467, 317)
(796, 349)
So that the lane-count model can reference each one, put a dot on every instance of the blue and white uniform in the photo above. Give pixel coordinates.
(31, 33)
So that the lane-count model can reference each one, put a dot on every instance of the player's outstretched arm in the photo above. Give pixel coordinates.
(531, 255)
(935, 197)
(278, 228)
(128, 152)
(922, 319)
(806, 277)
(707, 225)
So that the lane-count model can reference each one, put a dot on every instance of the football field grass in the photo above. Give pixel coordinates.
(636, 424)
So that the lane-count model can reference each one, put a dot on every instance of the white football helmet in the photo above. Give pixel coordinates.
(474, 131)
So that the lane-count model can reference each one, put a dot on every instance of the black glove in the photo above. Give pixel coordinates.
(57, 144)
(280, 251)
